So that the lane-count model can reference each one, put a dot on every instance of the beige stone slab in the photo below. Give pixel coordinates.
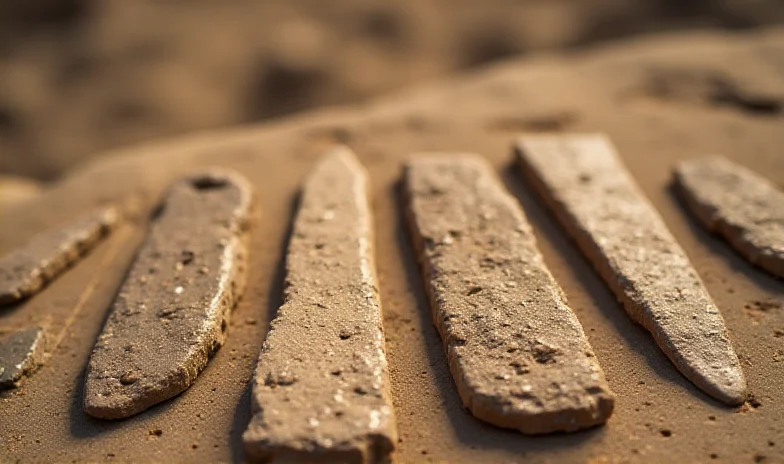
(321, 391)
(172, 311)
(600, 205)
(740, 205)
(25, 271)
(20, 353)
(517, 352)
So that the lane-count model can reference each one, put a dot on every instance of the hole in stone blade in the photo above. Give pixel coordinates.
(209, 183)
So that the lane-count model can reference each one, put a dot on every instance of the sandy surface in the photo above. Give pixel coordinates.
(81, 76)
(660, 100)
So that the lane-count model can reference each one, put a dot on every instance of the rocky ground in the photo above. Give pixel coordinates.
(82, 76)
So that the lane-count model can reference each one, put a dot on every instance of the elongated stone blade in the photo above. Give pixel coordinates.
(321, 391)
(26, 270)
(738, 204)
(20, 353)
(517, 352)
(172, 311)
(616, 227)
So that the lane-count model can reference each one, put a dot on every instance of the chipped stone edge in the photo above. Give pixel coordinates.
(67, 255)
(30, 364)
(708, 216)
(231, 289)
(370, 447)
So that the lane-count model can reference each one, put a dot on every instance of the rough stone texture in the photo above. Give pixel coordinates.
(600, 205)
(20, 354)
(26, 270)
(517, 352)
(321, 391)
(738, 204)
(171, 313)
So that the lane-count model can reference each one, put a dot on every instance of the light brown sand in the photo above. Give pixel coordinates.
(82, 76)
(653, 98)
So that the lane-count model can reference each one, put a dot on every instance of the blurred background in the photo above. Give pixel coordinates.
(81, 76)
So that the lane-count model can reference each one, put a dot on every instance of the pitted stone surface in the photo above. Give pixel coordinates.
(26, 270)
(321, 391)
(517, 352)
(603, 209)
(738, 204)
(172, 311)
(20, 353)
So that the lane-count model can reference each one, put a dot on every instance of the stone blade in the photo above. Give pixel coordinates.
(738, 204)
(20, 353)
(26, 270)
(172, 311)
(602, 208)
(517, 352)
(321, 391)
